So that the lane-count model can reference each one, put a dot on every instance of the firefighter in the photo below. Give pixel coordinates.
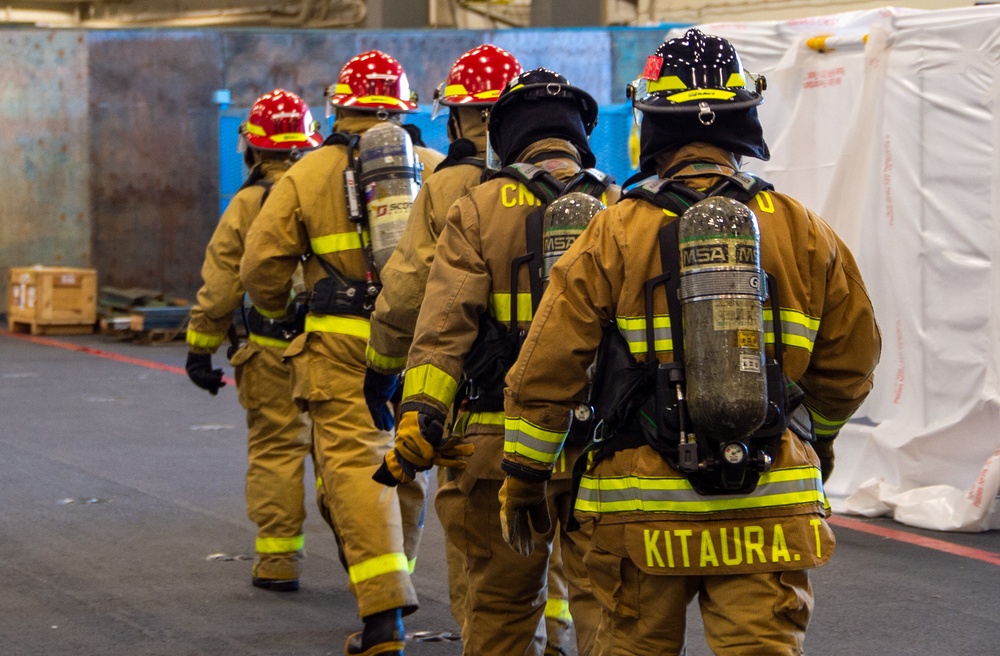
(472, 86)
(676, 512)
(538, 128)
(279, 130)
(308, 214)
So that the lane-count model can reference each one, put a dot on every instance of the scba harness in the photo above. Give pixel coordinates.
(497, 345)
(643, 403)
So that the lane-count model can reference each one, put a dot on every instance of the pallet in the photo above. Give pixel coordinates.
(34, 328)
(156, 336)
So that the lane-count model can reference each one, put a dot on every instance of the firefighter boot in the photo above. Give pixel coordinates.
(278, 572)
(383, 635)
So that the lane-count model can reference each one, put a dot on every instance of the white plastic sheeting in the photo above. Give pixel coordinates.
(895, 143)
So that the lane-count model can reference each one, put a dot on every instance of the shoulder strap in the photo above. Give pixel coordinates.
(667, 194)
(740, 186)
(339, 139)
(590, 181)
(461, 151)
(541, 183)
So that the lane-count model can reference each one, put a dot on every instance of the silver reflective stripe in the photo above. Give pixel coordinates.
(646, 494)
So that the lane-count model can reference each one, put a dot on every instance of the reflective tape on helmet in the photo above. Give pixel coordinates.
(280, 545)
(665, 83)
(781, 487)
(327, 323)
(428, 380)
(377, 566)
(338, 242)
(289, 136)
(523, 438)
(500, 304)
(204, 340)
(701, 94)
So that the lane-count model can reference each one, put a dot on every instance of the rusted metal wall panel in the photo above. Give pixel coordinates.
(44, 207)
(153, 155)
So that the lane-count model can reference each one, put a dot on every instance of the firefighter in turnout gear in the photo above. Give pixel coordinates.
(472, 86)
(669, 521)
(485, 279)
(313, 214)
(280, 128)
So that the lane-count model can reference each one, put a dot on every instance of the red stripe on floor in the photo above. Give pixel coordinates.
(918, 540)
(149, 364)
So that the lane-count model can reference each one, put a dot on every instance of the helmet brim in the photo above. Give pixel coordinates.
(373, 103)
(286, 142)
(691, 103)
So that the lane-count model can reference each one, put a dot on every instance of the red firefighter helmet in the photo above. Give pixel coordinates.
(373, 81)
(280, 120)
(478, 77)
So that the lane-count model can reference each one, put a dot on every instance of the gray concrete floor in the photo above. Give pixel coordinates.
(119, 482)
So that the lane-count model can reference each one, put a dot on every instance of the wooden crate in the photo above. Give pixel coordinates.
(52, 300)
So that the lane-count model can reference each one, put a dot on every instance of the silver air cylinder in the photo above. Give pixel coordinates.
(721, 290)
(390, 177)
(565, 219)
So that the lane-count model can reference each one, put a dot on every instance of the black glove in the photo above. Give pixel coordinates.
(378, 390)
(199, 370)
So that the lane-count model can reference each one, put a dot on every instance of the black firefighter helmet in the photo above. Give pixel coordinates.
(694, 88)
(540, 104)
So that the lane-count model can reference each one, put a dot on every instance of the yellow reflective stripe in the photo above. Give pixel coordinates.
(328, 323)
(343, 88)
(411, 565)
(430, 381)
(784, 487)
(633, 329)
(736, 80)
(797, 328)
(268, 341)
(255, 130)
(500, 304)
(825, 427)
(495, 418)
(289, 136)
(384, 362)
(455, 90)
(700, 94)
(204, 340)
(268, 314)
(558, 609)
(337, 242)
(523, 438)
(666, 83)
(488, 94)
(377, 566)
(385, 100)
(280, 545)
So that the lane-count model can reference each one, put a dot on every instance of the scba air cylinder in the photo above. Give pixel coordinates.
(565, 219)
(721, 290)
(390, 177)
